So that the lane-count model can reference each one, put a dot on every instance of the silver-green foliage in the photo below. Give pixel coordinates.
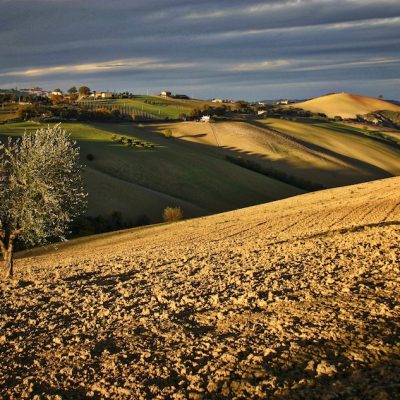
(41, 188)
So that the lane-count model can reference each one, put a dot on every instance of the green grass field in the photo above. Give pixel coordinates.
(8, 111)
(143, 181)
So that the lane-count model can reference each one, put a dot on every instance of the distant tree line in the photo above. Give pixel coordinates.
(24, 98)
(291, 112)
(68, 112)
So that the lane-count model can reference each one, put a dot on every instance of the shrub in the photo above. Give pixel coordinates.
(115, 113)
(172, 214)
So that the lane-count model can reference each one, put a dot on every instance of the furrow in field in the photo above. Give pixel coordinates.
(394, 212)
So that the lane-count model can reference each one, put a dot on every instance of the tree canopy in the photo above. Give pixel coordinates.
(84, 91)
(41, 189)
(72, 90)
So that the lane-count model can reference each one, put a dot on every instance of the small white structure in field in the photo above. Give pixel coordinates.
(205, 118)
(107, 95)
(95, 95)
(217, 100)
(261, 112)
(57, 93)
(165, 93)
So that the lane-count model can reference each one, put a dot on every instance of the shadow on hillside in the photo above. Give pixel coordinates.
(358, 172)
(356, 163)
(174, 147)
(199, 135)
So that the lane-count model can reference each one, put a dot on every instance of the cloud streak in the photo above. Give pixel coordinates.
(230, 48)
(148, 64)
(260, 66)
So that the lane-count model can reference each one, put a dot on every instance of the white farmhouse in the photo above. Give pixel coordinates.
(205, 118)
(107, 95)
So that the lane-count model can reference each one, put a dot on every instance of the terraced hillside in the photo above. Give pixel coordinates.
(292, 299)
(158, 107)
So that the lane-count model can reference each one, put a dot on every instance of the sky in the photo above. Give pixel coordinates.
(245, 49)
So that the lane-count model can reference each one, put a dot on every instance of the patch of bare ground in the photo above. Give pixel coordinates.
(296, 299)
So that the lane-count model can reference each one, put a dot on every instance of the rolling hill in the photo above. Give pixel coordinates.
(293, 299)
(141, 181)
(159, 107)
(345, 105)
(323, 152)
(192, 171)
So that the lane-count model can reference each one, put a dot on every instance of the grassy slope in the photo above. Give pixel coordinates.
(7, 116)
(345, 105)
(8, 111)
(327, 153)
(144, 181)
(372, 158)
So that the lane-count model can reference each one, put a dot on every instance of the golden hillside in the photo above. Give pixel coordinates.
(345, 105)
(321, 152)
(293, 299)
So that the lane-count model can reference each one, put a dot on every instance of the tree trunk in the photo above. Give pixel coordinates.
(9, 263)
(7, 252)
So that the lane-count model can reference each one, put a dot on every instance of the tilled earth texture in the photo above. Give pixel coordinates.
(296, 299)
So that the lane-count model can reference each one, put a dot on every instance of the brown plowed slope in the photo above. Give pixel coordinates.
(292, 299)
(346, 105)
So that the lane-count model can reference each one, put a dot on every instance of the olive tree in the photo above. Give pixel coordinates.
(84, 91)
(41, 189)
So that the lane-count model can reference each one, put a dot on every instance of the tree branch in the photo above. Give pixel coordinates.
(14, 234)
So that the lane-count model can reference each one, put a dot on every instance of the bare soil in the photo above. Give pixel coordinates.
(296, 299)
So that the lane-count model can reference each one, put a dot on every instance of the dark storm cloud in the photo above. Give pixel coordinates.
(247, 49)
